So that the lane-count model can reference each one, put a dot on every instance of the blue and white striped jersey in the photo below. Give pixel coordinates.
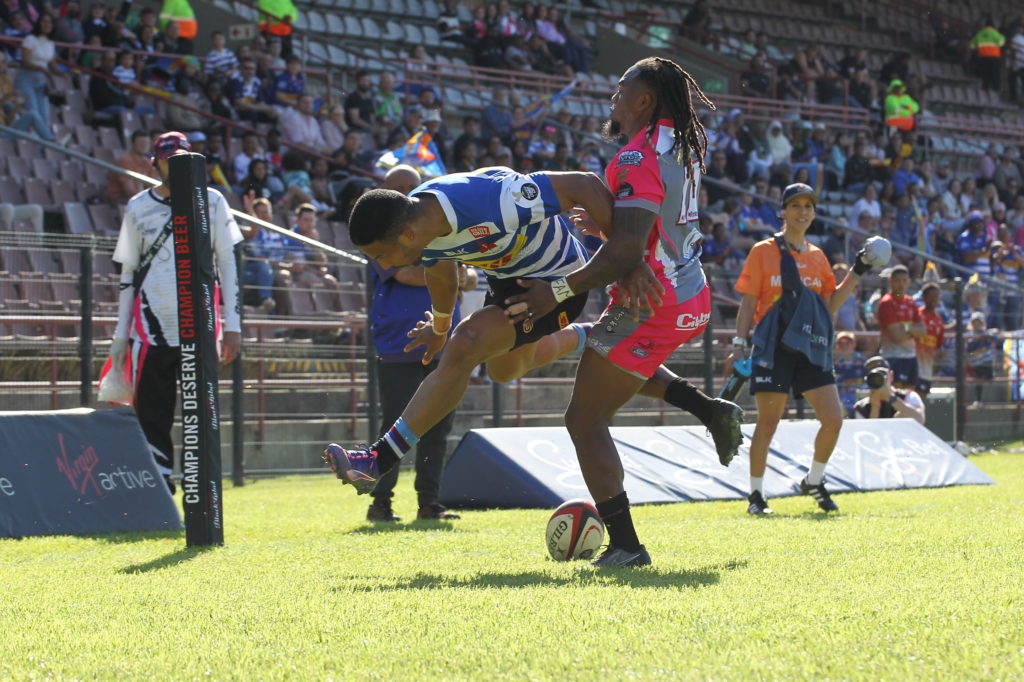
(504, 223)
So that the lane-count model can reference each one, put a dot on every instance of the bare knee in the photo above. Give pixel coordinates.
(580, 422)
(462, 352)
(831, 423)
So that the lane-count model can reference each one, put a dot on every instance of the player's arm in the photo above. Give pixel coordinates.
(226, 232)
(443, 284)
(586, 190)
(623, 252)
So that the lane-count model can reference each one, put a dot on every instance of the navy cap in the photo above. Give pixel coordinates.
(798, 189)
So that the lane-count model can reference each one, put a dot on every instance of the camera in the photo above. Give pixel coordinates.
(875, 377)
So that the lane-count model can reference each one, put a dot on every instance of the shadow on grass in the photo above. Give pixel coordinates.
(586, 575)
(418, 525)
(166, 561)
(137, 536)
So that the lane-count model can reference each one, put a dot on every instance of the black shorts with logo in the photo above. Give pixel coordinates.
(537, 328)
(792, 371)
(904, 371)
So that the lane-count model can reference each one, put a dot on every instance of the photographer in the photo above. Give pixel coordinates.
(884, 401)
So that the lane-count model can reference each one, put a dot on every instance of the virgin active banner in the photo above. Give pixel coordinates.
(537, 467)
(80, 471)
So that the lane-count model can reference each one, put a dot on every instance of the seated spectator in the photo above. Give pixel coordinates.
(465, 157)
(868, 203)
(180, 118)
(972, 245)
(69, 24)
(12, 108)
(697, 23)
(289, 84)
(544, 144)
(719, 171)
(121, 188)
(516, 54)
(411, 124)
(172, 40)
(575, 50)
(387, 104)
(1006, 259)
(496, 118)
(216, 101)
(251, 150)
(716, 247)
(261, 183)
(359, 104)
(947, 43)
(471, 133)
(756, 80)
(969, 195)
(591, 159)
(246, 94)
(541, 57)
(319, 180)
(266, 273)
(1005, 172)
(333, 127)
(448, 25)
(833, 245)
(307, 264)
(221, 62)
(124, 72)
(905, 176)
(847, 361)
(438, 133)
(96, 23)
(489, 52)
(107, 96)
(778, 144)
(300, 127)
(299, 186)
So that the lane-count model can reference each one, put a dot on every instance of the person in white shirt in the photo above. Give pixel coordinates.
(250, 150)
(299, 126)
(147, 312)
(1015, 55)
(867, 203)
(38, 59)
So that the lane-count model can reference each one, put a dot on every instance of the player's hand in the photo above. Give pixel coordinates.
(582, 221)
(640, 290)
(423, 334)
(230, 346)
(537, 301)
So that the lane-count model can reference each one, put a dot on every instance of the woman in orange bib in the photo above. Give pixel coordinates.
(789, 291)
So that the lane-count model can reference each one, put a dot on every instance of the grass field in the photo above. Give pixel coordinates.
(922, 584)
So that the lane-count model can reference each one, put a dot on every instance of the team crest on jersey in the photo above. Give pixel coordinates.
(625, 191)
(480, 231)
(630, 157)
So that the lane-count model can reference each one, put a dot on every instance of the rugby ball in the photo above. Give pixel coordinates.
(575, 531)
(877, 251)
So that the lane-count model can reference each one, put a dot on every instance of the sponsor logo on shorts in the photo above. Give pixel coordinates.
(630, 157)
(642, 348)
(762, 380)
(479, 231)
(563, 320)
(527, 326)
(689, 321)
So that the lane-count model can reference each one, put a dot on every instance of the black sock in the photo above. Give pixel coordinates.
(616, 517)
(387, 458)
(684, 395)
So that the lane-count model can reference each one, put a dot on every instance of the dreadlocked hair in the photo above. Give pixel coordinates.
(671, 85)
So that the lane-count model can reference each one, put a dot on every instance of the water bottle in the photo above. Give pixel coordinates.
(740, 373)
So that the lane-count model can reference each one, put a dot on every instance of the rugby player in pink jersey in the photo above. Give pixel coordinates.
(655, 179)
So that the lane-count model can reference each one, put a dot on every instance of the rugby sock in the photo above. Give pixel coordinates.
(582, 331)
(817, 472)
(757, 484)
(684, 395)
(616, 517)
(393, 445)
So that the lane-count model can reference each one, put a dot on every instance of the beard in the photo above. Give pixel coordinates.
(611, 130)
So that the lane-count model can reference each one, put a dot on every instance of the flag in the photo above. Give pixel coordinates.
(537, 106)
(420, 152)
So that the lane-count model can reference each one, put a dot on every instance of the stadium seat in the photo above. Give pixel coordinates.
(395, 33)
(413, 34)
(431, 37)
(352, 26)
(104, 219)
(20, 167)
(39, 193)
(11, 191)
(76, 218)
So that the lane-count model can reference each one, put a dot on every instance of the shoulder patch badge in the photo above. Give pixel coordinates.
(530, 191)
(630, 157)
